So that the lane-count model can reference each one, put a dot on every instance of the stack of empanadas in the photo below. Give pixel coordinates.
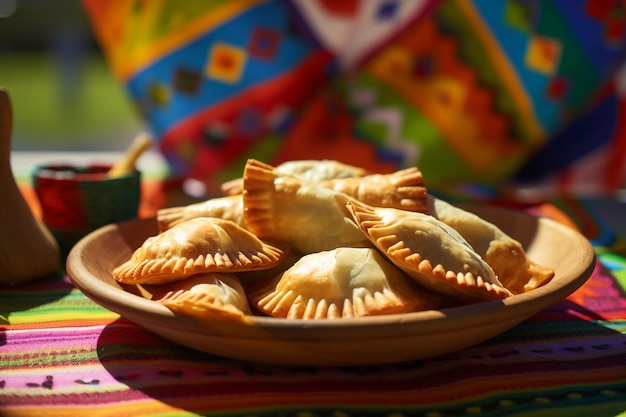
(326, 240)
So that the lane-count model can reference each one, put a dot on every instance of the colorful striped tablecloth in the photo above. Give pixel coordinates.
(63, 355)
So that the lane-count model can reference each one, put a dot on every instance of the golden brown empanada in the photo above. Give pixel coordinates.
(429, 251)
(309, 170)
(206, 296)
(310, 217)
(263, 275)
(232, 187)
(316, 170)
(203, 244)
(402, 189)
(505, 255)
(343, 282)
(229, 208)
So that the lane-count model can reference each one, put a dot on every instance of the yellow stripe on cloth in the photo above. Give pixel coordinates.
(505, 70)
(129, 39)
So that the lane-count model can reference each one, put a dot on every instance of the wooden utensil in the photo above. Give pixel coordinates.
(27, 248)
(140, 144)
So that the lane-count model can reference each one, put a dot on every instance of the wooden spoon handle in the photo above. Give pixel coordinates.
(127, 164)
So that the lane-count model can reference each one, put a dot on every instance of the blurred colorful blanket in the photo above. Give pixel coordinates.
(63, 355)
(480, 91)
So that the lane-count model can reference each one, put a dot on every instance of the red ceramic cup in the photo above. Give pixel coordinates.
(76, 200)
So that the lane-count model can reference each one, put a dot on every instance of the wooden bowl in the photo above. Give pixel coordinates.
(342, 342)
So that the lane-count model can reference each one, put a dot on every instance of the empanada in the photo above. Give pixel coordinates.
(263, 275)
(203, 244)
(429, 251)
(504, 254)
(206, 296)
(402, 189)
(343, 282)
(316, 170)
(309, 170)
(310, 217)
(229, 208)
